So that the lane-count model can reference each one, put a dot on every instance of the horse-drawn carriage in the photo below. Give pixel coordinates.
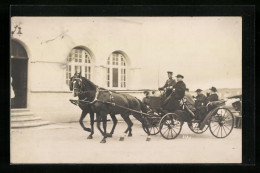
(156, 119)
(217, 118)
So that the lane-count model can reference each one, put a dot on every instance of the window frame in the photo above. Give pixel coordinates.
(77, 58)
(118, 61)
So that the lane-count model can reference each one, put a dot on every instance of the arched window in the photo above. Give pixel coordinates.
(116, 70)
(78, 60)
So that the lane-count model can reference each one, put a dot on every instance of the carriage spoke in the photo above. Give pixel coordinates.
(165, 131)
(226, 126)
(224, 130)
(215, 129)
(165, 128)
(225, 115)
(218, 130)
(174, 131)
(168, 133)
(214, 125)
(171, 134)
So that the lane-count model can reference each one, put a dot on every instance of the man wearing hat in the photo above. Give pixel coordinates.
(146, 99)
(174, 101)
(213, 95)
(200, 98)
(169, 85)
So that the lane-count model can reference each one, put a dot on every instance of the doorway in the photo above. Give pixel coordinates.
(19, 70)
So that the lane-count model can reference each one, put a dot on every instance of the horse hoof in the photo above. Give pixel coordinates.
(90, 137)
(121, 138)
(103, 141)
(109, 135)
(129, 135)
(148, 139)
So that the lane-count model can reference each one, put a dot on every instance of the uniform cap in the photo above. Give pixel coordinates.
(179, 75)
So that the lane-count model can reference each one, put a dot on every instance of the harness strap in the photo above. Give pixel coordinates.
(111, 98)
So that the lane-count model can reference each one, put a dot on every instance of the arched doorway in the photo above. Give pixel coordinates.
(19, 70)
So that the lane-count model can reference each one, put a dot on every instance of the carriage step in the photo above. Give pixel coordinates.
(27, 124)
(23, 113)
(24, 118)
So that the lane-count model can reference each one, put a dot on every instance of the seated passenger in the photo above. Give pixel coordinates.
(200, 103)
(189, 100)
(213, 95)
(200, 98)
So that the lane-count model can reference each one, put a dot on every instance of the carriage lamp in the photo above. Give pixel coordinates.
(19, 30)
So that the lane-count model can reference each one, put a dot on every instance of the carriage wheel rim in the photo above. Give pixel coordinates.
(197, 130)
(221, 128)
(172, 131)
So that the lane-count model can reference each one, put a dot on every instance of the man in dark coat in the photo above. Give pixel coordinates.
(200, 98)
(174, 101)
(200, 103)
(169, 85)
(146, 99)
(213, 95)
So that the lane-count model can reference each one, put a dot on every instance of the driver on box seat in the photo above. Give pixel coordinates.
(169, 85)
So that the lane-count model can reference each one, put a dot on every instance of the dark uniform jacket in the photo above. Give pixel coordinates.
(212, 97)
(172, 102)
(180, 88)
(169, 83)
(200, 100)
(146, 101)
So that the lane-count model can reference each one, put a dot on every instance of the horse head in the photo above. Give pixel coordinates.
(79, 84)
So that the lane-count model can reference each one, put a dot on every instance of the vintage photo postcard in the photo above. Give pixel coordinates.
(125, 90)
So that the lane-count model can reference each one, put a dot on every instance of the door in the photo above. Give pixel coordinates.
(19, 69)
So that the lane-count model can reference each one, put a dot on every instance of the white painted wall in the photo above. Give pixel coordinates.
(199, 48)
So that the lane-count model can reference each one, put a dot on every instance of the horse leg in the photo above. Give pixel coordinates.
(113, 116)
(104, 120)
(92, 125)
(129, 126)
(83, 115)
(144, 122)
(98, 123)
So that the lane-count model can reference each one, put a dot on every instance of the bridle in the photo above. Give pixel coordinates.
(97, 91)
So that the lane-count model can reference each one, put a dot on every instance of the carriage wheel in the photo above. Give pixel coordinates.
(170, 126)
(153, 129)
(221, 123)
(194, 127)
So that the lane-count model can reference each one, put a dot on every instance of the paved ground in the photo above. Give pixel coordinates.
(68, 143)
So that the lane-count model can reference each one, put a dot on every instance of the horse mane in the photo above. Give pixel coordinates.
(87, 83)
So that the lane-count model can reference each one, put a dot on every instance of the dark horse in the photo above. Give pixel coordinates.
(104, 102)
(86, 108)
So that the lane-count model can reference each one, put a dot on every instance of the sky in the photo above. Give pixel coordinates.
(207, 51)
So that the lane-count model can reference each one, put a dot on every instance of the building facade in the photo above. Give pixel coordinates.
(43, 60)
(114, 53)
